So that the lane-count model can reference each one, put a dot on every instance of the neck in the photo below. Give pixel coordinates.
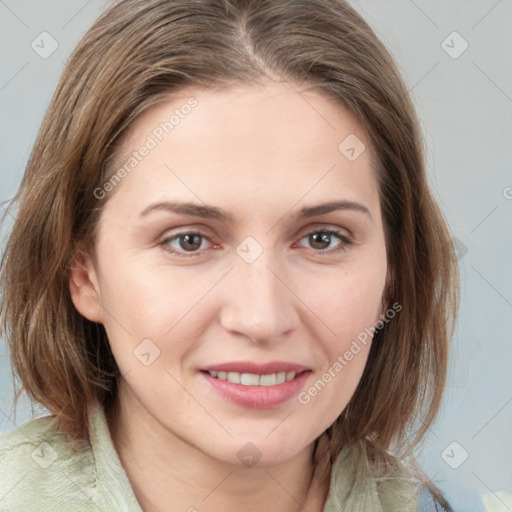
(168, 473)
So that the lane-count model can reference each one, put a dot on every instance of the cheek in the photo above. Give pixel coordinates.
(150, 296)
(144, 301)
(347, 303)
(348, 307)
(351, 315)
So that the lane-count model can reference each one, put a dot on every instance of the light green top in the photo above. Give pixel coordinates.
(40, 471)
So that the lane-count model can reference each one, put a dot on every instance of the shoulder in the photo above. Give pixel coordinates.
(397, 484)
(41, 469)
(383, 484)
(392, 483)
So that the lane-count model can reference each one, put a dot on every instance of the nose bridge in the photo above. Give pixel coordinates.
(257, 303)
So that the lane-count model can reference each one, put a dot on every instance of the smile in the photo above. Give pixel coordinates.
(252, 379)
(256, 386)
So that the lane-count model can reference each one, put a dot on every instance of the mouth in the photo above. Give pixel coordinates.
(256, 386)
(253, 379)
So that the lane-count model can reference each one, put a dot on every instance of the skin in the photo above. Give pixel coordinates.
(261, 153)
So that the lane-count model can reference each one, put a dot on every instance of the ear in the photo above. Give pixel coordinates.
(84, 287)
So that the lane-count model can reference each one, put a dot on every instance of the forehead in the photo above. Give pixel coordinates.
(273, 140)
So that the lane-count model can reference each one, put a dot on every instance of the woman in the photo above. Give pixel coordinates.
(227, 278)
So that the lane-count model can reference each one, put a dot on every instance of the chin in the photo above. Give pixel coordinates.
(264, 453)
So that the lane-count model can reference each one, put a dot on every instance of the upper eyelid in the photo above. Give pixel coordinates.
(338, 231)
(305, 230)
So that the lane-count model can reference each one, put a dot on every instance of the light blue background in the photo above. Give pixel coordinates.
(465, 105)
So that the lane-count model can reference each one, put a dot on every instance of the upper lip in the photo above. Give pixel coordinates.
(256, 368)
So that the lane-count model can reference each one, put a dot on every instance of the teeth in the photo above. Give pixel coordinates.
(251, 379)
(280, 377)
(234, 377)
(268, 380)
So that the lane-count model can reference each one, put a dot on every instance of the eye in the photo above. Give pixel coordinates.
(191, 241)
(187, 241)
(320, 239)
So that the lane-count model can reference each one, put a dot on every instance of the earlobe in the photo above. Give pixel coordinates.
(84, 288)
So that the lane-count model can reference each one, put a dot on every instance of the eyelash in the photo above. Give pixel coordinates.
(345, 239)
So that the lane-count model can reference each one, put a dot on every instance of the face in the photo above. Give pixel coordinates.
(232, 291)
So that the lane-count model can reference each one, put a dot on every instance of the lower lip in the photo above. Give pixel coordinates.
(257, 397)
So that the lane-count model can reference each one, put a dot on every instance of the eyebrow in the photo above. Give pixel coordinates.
(216, 213)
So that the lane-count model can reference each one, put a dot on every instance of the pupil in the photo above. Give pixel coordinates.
(324, 238)
(189, 240)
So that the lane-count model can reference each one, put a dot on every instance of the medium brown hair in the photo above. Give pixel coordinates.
(141, 52)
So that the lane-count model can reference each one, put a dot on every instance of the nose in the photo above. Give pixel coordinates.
(258, 303)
